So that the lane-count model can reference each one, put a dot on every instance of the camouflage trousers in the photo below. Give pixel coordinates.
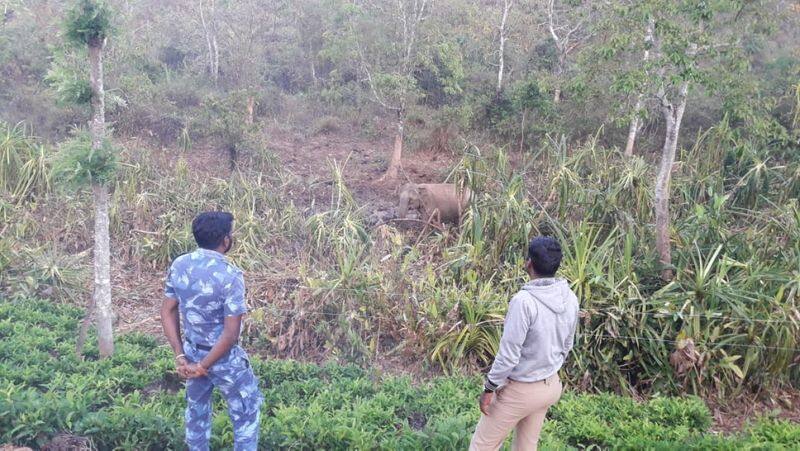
(234, 377)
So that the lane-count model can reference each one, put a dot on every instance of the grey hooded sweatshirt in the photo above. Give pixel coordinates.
(538, 333)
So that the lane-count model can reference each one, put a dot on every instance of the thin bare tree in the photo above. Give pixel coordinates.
(633, 129)
(210, 32)
(407, 16)
(507, 5)
(567, 27)
(102, 250)
(672, 110)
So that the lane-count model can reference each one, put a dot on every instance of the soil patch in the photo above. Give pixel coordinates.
(170, 384)
(68, 442)
(364, 161)
(733, 415)
(417, 421)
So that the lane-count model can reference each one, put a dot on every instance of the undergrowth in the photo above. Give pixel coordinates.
(323, 283)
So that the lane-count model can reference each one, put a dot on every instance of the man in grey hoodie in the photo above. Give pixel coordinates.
(538, 334)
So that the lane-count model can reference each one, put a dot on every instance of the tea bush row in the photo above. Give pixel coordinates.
(134, 401)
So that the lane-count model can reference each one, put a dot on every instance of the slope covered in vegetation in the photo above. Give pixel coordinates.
(324, 282)
(684, 247)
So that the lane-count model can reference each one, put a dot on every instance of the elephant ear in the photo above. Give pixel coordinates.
(424, 195)
(409, 189)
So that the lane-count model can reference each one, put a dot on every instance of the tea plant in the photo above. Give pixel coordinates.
(134, 401)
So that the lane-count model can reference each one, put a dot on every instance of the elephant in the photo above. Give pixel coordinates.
(437, 202)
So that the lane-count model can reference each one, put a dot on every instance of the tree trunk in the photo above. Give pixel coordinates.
(209, 29)
(673, 116)
(558, 73)
(662, 200)
(215, 70)
(98, 124)
(102, 267)
(501, 66)
(635, 121)
(251, 106)
(561, 49)
(634, 127)
(232, 154)
(102, 272)
(396, 162)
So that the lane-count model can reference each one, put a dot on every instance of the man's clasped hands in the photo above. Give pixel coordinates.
(188, 370)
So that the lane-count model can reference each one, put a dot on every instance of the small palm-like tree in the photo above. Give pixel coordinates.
(89, 159)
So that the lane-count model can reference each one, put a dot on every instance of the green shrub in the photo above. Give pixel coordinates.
(78, 164)
(134, 401)
(88, 21)
(775, 432)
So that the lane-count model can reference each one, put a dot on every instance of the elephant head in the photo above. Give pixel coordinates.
(409, 199)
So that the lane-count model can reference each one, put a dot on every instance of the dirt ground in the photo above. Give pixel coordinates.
(732, 415)
(310, 160)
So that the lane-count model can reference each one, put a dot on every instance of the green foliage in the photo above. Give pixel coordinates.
(503, 112)
(476, 336)
(260, 223)
(440, 74)
(24, 169)
(172, 238)
(68, 79)
(69, 86)
(607, 420)
(77, 163)
(134, 400)
(88, 22)
(528, 95)
(734, 304)
(325, 282)
(39, 271)
(226, 119)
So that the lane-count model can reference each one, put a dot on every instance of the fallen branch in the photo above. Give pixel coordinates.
(437, 227)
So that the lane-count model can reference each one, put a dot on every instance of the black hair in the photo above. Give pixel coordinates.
(211, 227)
(544, 252)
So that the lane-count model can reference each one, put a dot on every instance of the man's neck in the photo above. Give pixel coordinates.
(217, 250)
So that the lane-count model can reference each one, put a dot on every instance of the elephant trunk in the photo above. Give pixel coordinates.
(402, 210)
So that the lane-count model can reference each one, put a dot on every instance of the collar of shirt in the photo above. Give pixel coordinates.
(211, 253)
(544, 281)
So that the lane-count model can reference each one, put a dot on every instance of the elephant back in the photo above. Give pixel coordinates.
(444, 197)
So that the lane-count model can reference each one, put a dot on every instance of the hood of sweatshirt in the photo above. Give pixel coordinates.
(551, 292)
(532, 349)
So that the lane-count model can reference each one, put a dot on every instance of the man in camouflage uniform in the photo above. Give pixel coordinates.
(208, 291)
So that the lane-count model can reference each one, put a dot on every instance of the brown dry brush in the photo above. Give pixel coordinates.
(323, 284)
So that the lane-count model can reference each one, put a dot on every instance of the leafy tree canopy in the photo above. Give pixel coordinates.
(88, 22)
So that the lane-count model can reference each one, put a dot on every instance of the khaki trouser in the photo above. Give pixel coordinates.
(520, 405)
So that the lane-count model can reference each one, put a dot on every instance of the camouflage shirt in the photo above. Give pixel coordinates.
(208, 288)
